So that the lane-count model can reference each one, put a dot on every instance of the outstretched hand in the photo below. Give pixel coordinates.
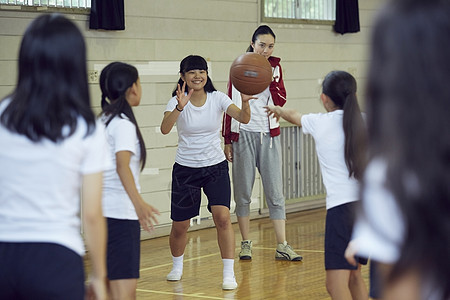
(147, 215)
(272, 110)
(182, 98)
(246, 98)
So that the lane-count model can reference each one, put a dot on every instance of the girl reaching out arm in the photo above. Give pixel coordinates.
(339, 135)
(170, 117)
(197, 108)
(288, 114)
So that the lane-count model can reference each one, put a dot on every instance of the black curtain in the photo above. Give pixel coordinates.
(347, 16)
(107, 14)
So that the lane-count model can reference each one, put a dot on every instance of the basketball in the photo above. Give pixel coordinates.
(251, 73)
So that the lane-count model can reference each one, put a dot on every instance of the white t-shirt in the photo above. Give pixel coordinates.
(259, 122)
(199, 143)
(328, 134)
(121, 136)
(378, 232)
(40, 184)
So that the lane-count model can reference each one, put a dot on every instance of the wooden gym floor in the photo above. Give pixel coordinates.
(261, 278)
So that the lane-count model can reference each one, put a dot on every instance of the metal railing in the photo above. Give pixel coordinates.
(300, 166)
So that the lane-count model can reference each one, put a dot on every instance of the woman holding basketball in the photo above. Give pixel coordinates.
(196, 107)
(340, 138)
(257, 145)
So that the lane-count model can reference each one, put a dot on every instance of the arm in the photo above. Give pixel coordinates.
(277, 89)
(226, 129)
(241, 115)
(145, 212)
(95, 233)
(226, 133)
(406, 286)
(289, 115)
(170, 117)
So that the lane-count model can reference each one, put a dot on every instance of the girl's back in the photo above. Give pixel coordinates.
(50, 172)
(329, 137)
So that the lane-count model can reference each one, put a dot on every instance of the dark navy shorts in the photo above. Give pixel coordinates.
(123, 249)
(40, 271)
(338, 232)
(375, 286)
(187, 183)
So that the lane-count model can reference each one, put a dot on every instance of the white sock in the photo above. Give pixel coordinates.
(228, 267)
(178, 262)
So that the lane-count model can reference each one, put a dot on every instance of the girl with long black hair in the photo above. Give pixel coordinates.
(123, 205)
(340, 137)
(405, 224)
(52, 154)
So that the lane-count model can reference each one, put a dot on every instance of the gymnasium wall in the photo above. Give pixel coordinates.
(159, 33)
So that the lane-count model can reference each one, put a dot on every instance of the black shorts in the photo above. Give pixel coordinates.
(186, 189)
(338, 232)
(123, 249)
(40, 271)
(375, 286)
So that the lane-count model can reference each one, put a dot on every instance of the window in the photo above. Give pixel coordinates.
(50, 3)
(304, 10)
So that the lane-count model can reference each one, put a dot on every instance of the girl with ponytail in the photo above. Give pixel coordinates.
(123, 205)
(340, 138)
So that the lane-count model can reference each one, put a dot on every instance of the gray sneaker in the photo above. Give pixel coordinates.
(285, 252)
(246, 250)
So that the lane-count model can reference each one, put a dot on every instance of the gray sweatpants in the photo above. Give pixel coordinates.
(258, 150)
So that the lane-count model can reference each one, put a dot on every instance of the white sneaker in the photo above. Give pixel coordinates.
(174, 275)
(285, 252)
(229, 283)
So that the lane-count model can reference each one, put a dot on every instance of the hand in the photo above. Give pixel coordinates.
(96, 289)
(274, 111)
(182, 98)
(246, 98)
(350, 252)
(228, 150)
(146, 214)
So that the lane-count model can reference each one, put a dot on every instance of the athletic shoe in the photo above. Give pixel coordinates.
(246, 250)
(229, 283)
(285, 252)
(174, 275)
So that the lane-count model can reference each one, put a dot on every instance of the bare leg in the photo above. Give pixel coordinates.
(178, 237)
(225, 232)
(280, 230)
(244, 227)
(337, 282)
(177, 242)
(123, 289)
(357, 285)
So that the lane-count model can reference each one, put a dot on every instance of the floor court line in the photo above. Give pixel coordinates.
(186, 260)
(196, 295)
(218, 253)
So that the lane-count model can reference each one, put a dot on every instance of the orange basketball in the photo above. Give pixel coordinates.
(251, 73)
